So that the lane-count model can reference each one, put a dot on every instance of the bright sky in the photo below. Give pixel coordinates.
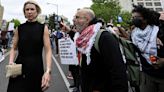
(14, 8)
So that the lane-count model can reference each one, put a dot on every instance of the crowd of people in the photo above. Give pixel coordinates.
(5, 42)
(102, 70)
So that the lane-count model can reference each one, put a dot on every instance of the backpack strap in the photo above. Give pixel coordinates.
(97, 39)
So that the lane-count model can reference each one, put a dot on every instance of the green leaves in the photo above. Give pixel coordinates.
(106, 9)
(51, 21)
(16, 22)
(110, 10)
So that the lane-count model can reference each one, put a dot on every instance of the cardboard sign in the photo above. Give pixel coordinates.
(67, 51)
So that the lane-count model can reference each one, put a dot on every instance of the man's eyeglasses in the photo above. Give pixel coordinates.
(79, 17)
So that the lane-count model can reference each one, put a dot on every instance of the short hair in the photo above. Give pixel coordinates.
(38, 9)
(89, 12)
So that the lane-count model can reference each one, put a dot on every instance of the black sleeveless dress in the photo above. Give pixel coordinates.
(30, 45)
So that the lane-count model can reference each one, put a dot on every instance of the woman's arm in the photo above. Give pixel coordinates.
(14, 48)
(47, 47)
(46, 77)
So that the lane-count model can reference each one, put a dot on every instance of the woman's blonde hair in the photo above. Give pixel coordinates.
(32, 2)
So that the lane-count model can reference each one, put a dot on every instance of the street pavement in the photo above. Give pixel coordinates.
(59, 82)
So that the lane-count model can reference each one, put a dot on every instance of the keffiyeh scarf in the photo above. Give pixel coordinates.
(146, 41)
(85, 40)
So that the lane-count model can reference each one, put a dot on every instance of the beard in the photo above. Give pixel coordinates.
(80, 28)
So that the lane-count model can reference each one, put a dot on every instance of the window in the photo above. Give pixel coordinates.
(149, 4)
(147, 0)
(158, 9)
(157, 3)
(151, 8)
(141, 3)
(156, 0)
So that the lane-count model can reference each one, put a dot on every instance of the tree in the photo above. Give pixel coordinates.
(106, 9)
(126, 18)
(51, 22)
(16, 22)
(110, 10)
(54, 22)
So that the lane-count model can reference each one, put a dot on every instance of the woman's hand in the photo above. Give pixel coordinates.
(46, 81)
(11, 63)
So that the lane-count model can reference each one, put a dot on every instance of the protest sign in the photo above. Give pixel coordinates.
(67, 51)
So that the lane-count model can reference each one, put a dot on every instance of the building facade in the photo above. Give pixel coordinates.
(126, 5)
(1, 14)
(157, 5)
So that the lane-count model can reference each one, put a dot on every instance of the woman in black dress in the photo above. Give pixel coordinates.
(29, 40)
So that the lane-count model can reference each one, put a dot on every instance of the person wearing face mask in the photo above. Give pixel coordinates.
(29, 40)
(148, 36)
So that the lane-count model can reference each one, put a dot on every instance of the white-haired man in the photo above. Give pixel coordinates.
(102, 71)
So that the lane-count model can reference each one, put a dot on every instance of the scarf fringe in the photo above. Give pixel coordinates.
(90, 42)
(145, 40)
